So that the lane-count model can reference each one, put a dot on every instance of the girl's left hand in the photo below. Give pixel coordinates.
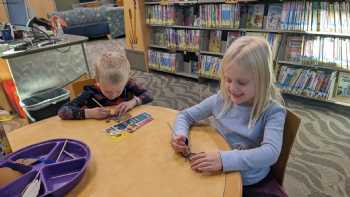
(206, 162)
(124, 107)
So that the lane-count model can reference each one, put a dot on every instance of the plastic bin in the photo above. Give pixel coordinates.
(45, 104)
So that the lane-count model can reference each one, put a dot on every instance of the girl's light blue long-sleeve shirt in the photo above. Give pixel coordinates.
(254, 149)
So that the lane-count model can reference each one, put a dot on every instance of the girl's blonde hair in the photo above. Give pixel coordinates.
(112, 68)
(255, 54)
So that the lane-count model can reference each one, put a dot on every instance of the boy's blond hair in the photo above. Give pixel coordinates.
(112, 68)
(253, 53)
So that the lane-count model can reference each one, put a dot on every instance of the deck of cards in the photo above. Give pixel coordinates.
(129, 125)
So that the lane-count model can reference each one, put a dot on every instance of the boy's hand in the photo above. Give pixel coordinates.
(206, 162)
(178, 142)
(98, 113)
(124, 107)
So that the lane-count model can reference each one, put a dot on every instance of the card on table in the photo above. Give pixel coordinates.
(130, 124)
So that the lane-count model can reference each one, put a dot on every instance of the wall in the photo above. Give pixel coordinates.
(62, 5)
(41, 8)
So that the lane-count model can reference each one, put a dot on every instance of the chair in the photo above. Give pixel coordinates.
(77, 86)
(291, 127)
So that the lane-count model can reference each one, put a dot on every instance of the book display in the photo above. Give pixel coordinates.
(309, 40)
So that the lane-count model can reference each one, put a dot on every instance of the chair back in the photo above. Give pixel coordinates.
(78, 86)
(291, 127)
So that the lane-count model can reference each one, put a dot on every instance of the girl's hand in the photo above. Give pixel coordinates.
(178, 142)
(206, 162)
(124, 107)
(98, 113)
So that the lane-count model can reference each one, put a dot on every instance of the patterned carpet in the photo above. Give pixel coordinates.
(320, 159)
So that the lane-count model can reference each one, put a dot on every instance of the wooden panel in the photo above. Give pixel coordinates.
(3, 11)
(135, 29)
(119, 2)
(4, 70)
(4, 75)
(41, 7)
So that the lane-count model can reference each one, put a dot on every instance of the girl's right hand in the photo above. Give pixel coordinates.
(178, 142)
(98, 113)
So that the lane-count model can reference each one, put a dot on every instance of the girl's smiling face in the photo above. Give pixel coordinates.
(240, 84)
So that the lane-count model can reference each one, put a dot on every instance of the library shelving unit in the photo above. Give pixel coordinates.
(310, 41)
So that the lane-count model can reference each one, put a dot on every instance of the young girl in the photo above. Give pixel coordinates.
(246, 112)
(113, 88)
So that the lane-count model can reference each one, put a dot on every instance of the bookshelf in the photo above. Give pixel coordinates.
(310, 41)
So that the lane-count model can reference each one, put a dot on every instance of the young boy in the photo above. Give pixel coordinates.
(113, 88)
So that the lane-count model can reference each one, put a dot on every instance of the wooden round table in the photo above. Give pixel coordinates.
(141, 164)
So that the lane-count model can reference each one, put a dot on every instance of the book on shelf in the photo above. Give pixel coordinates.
(219, 15)
(312, 83)
(158, 37)
(210, 66)
(323, 16)
(273, 19)
(176, 38)
(273, 39)
(161, 14)
(293, 48)
(318, 50)
(190, 64)
(215, 41)
(232, 36)
(164, 61)
(343, 84)
(255, 16)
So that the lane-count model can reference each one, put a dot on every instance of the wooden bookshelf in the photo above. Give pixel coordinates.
(298, 31)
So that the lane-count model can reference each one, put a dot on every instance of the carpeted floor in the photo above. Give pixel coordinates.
(319, 164)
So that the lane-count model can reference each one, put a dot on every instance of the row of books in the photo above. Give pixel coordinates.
(176, 38)
(307, 82)
(161, 14)
(210, 66)
(316, 50)
(216, 41)
(173, 62)
(324, 16)
(343, 86)
(163, 61)
(219, 15)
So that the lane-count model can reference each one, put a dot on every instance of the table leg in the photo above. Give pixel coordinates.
(86, 60)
